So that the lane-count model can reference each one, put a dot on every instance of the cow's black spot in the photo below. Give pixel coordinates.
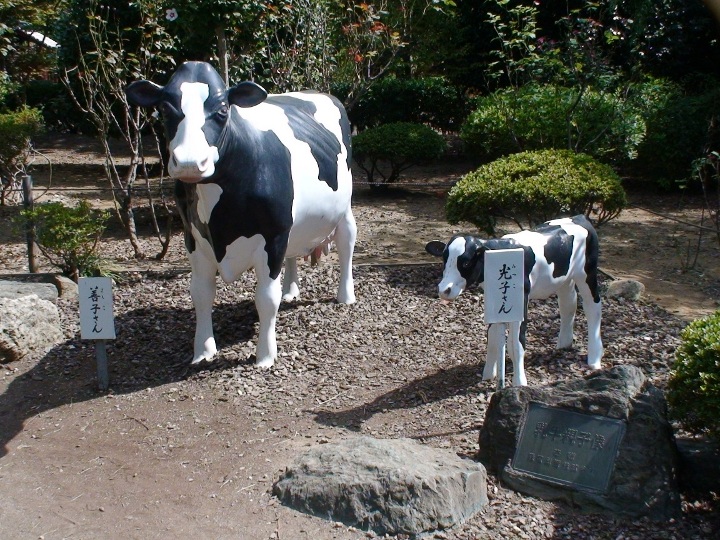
(558, 249)
(323, 144)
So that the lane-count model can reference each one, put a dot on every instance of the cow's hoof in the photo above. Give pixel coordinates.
(346, 298)
(265, 363)
(202, 361)
(594, 365)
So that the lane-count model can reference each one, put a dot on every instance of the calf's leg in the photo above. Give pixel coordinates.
(567, 303)
(202, 292)
(593, 311)
(495, 354)
(517, 354)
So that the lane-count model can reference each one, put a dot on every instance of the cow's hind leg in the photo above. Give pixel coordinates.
(290, 287)
(593, 311)
(567, 303)
(268, 295)
(202, 292)
(345, 235)
(516, 352)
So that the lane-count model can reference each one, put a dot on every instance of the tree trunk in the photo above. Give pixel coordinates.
(222, 53)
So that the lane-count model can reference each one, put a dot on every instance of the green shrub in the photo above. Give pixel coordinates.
(537, 117)
(532, 187)
(677, 129)
(68, 236)
(16, 131)
(389, 149)
(694, 386)
(426, 100)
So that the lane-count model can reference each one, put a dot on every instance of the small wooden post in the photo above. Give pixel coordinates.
(27, 189)
(102, 365)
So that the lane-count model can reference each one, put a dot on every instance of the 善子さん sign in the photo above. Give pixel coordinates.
(96, 308)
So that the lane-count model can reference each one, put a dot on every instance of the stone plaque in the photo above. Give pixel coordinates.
(568, 447)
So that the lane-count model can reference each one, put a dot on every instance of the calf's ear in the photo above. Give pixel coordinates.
(436, 248)
(143, 93)
(246, 94)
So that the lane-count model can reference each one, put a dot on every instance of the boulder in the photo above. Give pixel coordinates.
(390, 486)
(28, 324)
(642, 479)
(629, 289)
(18, 289)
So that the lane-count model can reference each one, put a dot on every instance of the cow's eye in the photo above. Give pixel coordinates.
(222, 112)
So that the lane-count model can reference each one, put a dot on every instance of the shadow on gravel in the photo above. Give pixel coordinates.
(437, 386)
(158, 353)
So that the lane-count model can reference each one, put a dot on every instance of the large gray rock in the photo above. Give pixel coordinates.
(18, 289)
(643, 481)
(390, 486)
(28, 324)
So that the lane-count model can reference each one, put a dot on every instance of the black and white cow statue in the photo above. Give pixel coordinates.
(561, 256)
(261, 179)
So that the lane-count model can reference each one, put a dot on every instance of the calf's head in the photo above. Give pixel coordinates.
(463, 263)
(195, 107)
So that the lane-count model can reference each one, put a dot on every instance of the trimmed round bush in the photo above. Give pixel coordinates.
(532, 187)
(387, 150)
(694, 386)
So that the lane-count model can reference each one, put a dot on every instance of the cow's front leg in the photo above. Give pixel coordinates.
(268, 295)
(202, 292)
(495, 353)
(345, 235)
(517, 354)
(567, 303)
(290, 287)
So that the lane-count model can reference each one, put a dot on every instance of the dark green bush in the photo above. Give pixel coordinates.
(694, 386)
(536, 117)
(427, 100)
(677, 128)
(532, 187)
(58, 110)
(390, 149)
(68, 236)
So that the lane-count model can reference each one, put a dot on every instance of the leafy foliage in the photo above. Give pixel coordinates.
(694, 385)
(424, 100)
(17, 130)
(399, 145)
(534, 117)
(68, 236)
(532, 187)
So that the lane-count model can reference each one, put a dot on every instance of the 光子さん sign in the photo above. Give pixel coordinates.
(503, 288)
(96, 309)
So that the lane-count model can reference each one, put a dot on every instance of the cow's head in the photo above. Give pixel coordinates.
(195, 106)
(463, 263)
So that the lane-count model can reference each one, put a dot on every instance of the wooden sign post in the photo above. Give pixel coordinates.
(504, 293)
(97, 321)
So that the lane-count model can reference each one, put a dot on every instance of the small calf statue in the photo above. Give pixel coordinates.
(560, 255)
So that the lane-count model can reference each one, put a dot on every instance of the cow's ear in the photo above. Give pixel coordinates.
(436, 248)
(246, 94)
(143, 93)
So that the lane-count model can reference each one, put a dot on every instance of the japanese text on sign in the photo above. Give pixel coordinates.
(504, 286)
(96, 310)
(568, 447)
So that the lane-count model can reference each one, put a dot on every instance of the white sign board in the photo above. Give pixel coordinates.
(503, 285)
(96, 308)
